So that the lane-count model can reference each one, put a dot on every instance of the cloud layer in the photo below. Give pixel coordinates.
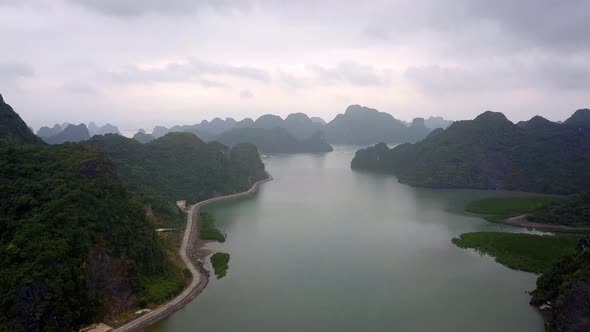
(145, 62)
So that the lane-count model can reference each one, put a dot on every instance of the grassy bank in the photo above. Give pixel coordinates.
(207, 229)
(220, 262)
(497, 209)
(526, 252)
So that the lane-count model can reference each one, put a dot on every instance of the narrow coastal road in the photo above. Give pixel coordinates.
(199, 280)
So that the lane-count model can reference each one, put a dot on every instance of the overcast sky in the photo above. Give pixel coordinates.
(138, 63)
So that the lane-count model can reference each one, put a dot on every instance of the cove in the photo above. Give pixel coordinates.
(326, 248)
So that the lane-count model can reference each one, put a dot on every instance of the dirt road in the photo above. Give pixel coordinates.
(199, 279)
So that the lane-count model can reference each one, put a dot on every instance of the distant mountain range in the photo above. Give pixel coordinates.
(275, 140)
(66, 132)
(491, 152)
(143, 138)
(299, 133)
(434, 122)
(108, 128)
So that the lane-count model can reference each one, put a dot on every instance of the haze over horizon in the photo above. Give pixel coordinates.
(144, 63)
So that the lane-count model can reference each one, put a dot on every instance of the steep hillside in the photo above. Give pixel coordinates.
(573, 211)
(580, 120)
(12, 128)
(417, 130)
(181, 166)
(143, 137)
(566, 287)
(277, 140)
(434, 122)
(45, 132)
(76, 245)
(300, 126)
(362, 126)
(490, 152)
(108, 128)
(72, 133)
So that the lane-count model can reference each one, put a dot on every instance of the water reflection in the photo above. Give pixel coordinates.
(323, 248)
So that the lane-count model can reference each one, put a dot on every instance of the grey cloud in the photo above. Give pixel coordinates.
(548, 23)
(290, 81)
(165, 7)
(434, 79)
(247, 72)
(188, 71)
(8, 2)
(246, 94)
(212, 84)
(545, 74)
(12, 70)
(352, 73)
(481, 25)
(80, 88)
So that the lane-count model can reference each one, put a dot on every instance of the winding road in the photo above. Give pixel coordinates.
(199, 279)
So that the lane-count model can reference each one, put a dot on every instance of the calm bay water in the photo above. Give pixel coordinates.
(325, 248)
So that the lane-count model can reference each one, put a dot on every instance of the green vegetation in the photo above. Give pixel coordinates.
(567, 287)
(361, 125)
(275, 140)
(70, 228)
(77, 240)
(491, 152)
(220, 262)
(179, 166)
(207, 229)
(161, 288)
(497, 209)
(574, 211)
(143, 137)
(526, 252)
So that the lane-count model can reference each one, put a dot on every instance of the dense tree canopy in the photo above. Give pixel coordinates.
(76, 245)
(77, 242)
(490, 152)
(180, 166)
(574, 211)
(567, 287)
(275, 140)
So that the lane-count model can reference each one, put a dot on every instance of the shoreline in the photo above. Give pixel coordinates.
(521, 221)
(200, 276)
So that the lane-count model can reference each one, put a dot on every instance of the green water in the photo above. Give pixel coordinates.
(325, 248)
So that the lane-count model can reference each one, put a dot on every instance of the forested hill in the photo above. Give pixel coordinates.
(276, 140)
(361, 125)
(72, 133)
(76, 244)
(567, 287)
(12, 128)
(181, 166)
(491, 152)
